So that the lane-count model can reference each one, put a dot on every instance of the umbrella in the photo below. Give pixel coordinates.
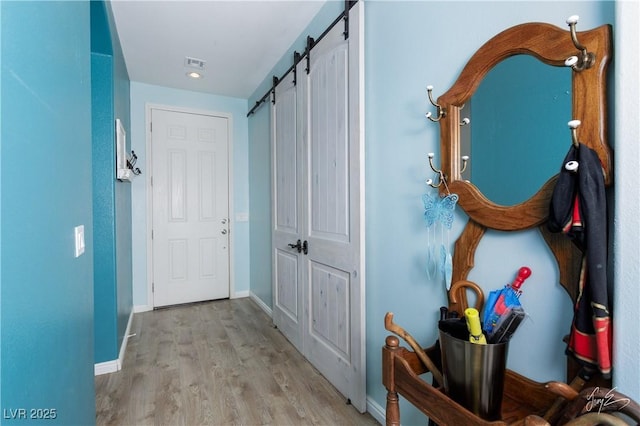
(503, 311)
(506, 325)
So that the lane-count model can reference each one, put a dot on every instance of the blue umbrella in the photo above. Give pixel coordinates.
(503, 310)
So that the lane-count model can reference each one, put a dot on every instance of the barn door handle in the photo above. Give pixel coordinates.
(297, 245)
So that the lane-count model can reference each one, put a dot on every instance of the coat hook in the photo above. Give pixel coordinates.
(465, 121)
(439, 109)
(572, 166)
(573, 125)
(587, 59)
(131, 162)
(439, 172)
(431, 155)
(465, 161)
(442, 179)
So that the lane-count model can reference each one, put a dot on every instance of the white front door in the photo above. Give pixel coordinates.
(190, 180)
(317, 191)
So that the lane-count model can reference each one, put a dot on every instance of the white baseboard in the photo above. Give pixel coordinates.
(116, 364)
(125, 340)
(262, 305)
(146, 308)
(142, 308)
(376, 411)
(240, 294)
(106, 367)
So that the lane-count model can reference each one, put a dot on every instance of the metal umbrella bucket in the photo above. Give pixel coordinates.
(473, 374)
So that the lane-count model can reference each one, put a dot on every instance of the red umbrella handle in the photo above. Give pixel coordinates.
(523, 274)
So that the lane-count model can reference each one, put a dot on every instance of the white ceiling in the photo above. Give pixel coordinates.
(240, 40)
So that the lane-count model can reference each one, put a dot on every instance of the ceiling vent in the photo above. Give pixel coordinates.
(194, 63)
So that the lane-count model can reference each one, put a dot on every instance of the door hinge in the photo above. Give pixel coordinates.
(152, 234)
(153, 287)
(151, 127)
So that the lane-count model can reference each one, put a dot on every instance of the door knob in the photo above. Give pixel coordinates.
(224, 221)
(223, 232)
(297, 245)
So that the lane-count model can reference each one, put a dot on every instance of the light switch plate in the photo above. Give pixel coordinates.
(242, 217)
(79, 237)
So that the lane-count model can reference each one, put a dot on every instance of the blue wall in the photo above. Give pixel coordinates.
(146, 94)
(260, 201)
(104, 269)
(47, 293)
(398, 138)
(409, 45)
(112, 199)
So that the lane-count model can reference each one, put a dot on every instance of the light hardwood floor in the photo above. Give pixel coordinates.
(216, 363)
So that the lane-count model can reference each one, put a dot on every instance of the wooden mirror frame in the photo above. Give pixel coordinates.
(551, 45)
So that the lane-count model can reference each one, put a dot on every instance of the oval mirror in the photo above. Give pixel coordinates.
(518, 133)
(551, 46)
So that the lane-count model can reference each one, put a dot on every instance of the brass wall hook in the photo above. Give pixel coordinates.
(439, 110)
(586, 58)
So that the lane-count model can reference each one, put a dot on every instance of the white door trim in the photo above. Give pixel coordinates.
(357, 132)
(149, 191)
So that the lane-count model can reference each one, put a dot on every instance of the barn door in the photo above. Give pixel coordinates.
(332, 182)
(317, 158)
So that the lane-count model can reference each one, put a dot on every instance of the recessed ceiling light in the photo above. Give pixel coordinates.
(194, 74)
